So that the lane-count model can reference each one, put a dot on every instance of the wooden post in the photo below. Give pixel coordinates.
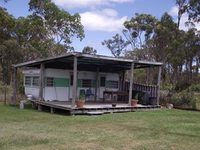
(123, 81)
(158, 84)
(131, 83)
(14, 97)
(41, 82)
(74, 91)
(52, 110)
(39, 107)
(97, 85)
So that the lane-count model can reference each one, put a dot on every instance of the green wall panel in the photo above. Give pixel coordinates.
(61, 82)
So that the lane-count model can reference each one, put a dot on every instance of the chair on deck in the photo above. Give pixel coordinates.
(89, 95)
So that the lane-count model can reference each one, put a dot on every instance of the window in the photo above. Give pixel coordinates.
(35, 81)
(113, 84)
(86, 83)
(102, 81)
(27, 81)
(49, 81)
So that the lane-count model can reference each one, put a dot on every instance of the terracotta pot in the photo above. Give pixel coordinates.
(134, 102)
(80, 103)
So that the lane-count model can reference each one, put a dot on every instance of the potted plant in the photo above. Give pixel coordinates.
(80, 101)
(135, 100)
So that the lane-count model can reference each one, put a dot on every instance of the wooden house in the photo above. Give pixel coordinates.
(101, 78)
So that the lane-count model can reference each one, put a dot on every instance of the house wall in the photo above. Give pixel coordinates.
(62, 90)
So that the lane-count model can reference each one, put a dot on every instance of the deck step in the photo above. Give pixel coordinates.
(95, 113)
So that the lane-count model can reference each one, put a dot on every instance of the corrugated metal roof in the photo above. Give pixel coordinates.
(87, 57)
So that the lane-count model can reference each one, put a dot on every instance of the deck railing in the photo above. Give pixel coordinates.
(151, 89)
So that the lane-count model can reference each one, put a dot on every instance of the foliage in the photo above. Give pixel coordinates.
(188, 97)
(47, 31)
(81, 97)
(182, 98)
(137, 27)
(89, 50)
(195, 88)
(194, 10)
(116, 45)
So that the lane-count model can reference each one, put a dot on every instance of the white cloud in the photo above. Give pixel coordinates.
(110, 12)
(86, 3)
(174, 13)
(106, 20)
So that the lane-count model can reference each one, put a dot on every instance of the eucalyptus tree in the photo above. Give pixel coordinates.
(138, 29)
(60, 25)
(116, 45)
(89, 50)
(194, 10)
(10, 52)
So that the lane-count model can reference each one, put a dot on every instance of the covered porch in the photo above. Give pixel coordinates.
(97, 64)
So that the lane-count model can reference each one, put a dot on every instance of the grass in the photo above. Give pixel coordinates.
(165, 129)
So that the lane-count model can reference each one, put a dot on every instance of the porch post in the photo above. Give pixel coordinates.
(97, 84)
(131, 83)
(41, 82)
(74, 90)
(14, 84)
(158, 84)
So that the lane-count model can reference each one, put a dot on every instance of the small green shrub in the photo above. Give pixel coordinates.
(195, 88)
(181, 85)
(184, 98)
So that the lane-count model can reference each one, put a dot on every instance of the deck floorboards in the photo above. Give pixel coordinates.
(93, 107)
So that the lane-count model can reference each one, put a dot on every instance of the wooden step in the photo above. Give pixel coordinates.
(95, 113)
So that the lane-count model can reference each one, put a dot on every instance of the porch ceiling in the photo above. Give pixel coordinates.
(89, 63)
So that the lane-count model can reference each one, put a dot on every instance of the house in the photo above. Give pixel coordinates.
(101, 78)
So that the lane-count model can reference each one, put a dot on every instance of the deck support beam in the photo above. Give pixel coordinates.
(39, 107)
(41, 82)
(97, 85)
(14, 84)
(158, 84)
(52, 110)
(74, 90)
(131, 83)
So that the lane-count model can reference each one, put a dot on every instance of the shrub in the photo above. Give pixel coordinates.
(184, 98)
(195, 88)
(181, 85)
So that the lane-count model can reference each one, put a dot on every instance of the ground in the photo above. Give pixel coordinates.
(164, 129)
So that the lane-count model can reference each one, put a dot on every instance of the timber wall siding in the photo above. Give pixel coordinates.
(61, 89)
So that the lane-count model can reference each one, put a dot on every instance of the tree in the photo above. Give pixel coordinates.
(194, 10)
(89, 50)
(60, 25)
(142, 25)
(182, 8)
(116, 45)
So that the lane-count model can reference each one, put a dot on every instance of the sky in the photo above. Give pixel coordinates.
(102, 19)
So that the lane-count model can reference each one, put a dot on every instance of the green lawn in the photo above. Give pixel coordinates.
(165, 129)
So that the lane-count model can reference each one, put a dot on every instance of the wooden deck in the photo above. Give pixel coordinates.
(90, 108)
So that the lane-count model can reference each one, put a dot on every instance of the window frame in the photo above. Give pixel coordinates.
(49, 84)
(25, 81)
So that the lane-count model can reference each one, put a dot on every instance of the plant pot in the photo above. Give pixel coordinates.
(80, 103)
(134, 102)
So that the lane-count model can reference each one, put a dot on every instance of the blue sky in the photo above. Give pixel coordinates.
(101, 18)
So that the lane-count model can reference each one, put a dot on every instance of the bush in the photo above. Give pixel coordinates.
(181, 85)
(184, 98)
(195, 88)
